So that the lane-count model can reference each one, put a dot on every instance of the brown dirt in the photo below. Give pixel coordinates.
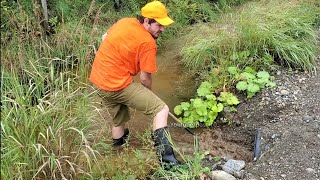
(289, 117)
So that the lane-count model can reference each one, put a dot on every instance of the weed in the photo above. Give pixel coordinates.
(191, 169)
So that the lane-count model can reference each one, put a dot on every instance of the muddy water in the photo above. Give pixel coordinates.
(173, 86)
(165, 85)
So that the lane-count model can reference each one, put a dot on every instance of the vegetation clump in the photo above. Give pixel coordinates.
(251, 81)
(260, 35)
(204, 108)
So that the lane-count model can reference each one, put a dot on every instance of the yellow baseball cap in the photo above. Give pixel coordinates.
(157, 11)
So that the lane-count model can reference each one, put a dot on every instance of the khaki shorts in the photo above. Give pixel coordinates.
(136, 96)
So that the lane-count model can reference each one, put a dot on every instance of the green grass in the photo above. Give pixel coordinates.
(283, 29)
(46, 139)
(192, 167)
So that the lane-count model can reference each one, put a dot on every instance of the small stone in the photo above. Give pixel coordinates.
(302, 80)
(221, 175)
(215, 166)
(284, 92)
(283, 175)
(239, 174)
(210, 158)
(275, 136)
(310, 170)
(232, 166)
(307, 118)
(278, 72)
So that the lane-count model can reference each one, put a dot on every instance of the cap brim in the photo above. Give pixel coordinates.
(164, 21)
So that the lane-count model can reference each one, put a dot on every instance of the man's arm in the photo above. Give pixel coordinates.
(146, 79)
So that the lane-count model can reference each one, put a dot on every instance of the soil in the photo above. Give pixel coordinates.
(289, 119)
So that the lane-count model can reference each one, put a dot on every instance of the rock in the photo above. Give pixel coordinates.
(284, 92)
(307, 118)
(239, 174)
(310, 170)
(275, 136)
(302, 80)
(232, 166)
(221, 175)
(204, 177)
(278, 73)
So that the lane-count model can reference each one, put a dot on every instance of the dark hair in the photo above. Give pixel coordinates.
(141, 19)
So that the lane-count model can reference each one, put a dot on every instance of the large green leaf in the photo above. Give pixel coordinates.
(233, 100)
(211, 97)
(197, 102)
(205, 89)
(253, 87)
(185, 105)
(233, 70)
(247, 76)
(220, 107)
(202, 111)
(263, 75)
(178, 110)
(248, 69)
(242, 85)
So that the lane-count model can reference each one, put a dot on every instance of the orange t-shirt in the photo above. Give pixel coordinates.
(127, 49)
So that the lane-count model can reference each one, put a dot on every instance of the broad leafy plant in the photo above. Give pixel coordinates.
(204, 108)
(251, 81)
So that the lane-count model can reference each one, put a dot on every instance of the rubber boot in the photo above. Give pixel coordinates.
(164, 147)
(121, 141)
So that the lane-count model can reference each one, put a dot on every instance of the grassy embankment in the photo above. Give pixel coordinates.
(258, 36)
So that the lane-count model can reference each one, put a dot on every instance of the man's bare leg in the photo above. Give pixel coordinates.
(117, 132)
(160, 120)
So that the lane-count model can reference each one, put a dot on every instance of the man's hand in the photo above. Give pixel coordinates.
(146, 79)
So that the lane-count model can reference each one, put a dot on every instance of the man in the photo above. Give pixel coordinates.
(129, 47)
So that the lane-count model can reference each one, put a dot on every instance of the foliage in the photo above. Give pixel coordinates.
(258, 34)
(48, 109)
(250, 81)
(204, 108)
(191, 169)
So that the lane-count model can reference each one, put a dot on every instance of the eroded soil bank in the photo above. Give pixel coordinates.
(289, 118)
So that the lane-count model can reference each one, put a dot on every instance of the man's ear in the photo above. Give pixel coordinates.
(146, 20)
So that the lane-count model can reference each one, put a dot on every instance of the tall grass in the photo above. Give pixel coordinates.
(47, 138)
(47, 109)
(283, 30)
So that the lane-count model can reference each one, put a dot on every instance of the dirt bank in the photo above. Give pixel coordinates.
(289, 118)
